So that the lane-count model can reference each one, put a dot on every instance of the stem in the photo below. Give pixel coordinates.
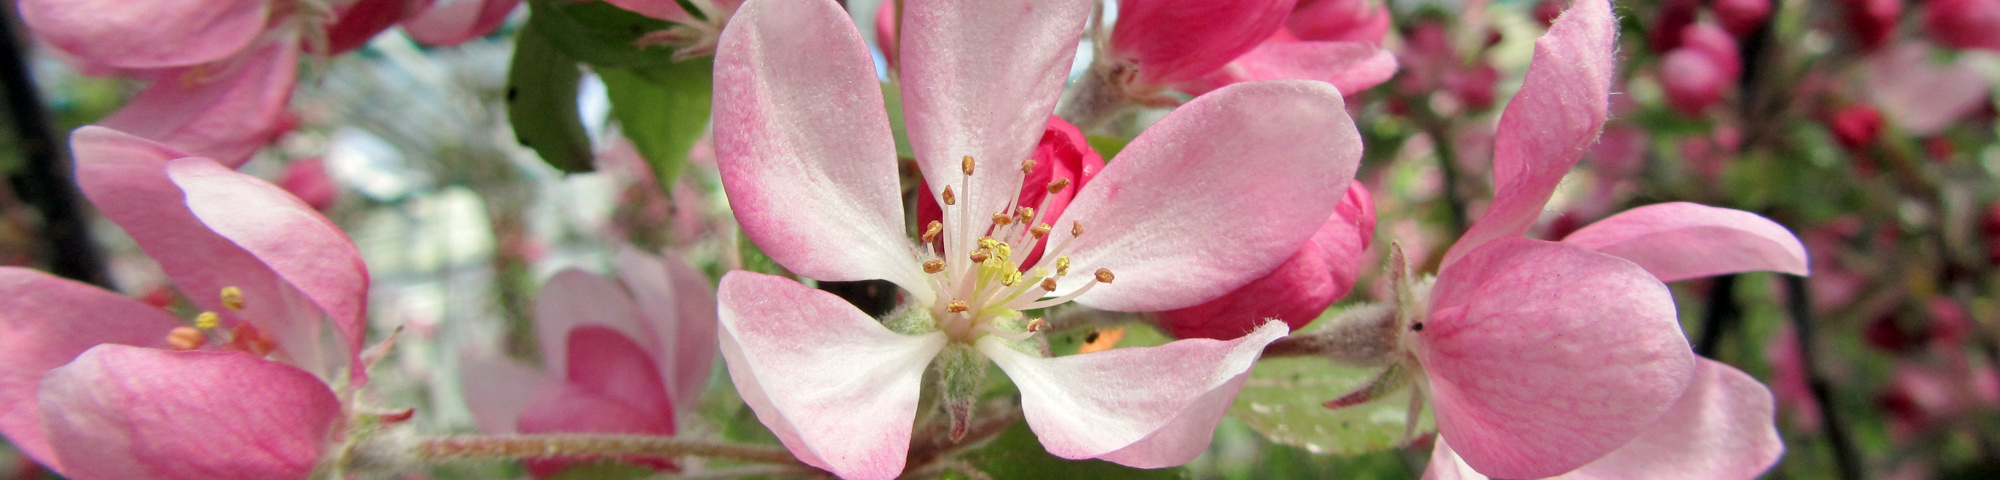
(1720, 316)
(935, 443)
(1799, 300)
(1094, 100)
(46, 181)
(511, 447)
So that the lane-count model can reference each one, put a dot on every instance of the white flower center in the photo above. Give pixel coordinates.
(978, 279)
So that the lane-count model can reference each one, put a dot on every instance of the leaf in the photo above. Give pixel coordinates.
(892, 100)
(541, 103)
(1284, 397)
(1107, 146)
(598, 33)
(1017, 454)
(663, 109)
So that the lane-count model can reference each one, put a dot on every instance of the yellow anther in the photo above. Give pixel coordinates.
(232, 297)
(1027, 166)
(1012, 277)
(1062, 265)
(1056, 187)
(1104, 275)
(931, 232)
(934, 266)
(1037, 324)
(1002, 219)
(1076, 228)
(949, 198)
(1049, 284)
(1003, 251)
(207, 320)
(1039, 231)
(184, 338)
(957, 306)
(980, 255)
(966, 165)
(1024, 215)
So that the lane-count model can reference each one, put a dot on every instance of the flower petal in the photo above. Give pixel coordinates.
(1680, 240)
(130, 412)
(1175, 41)
(1215, 195)
(126, 178)
(980, 78)
(288, 236)
(1299, 290)
(573, 299)
(47, 322)
(1349, 66)
(359, 21)
(836, 387)
(497, 390)
(1919, 95)
(678, 304)
(1725, 426)
(804, 148)
(608, 370)
(1558, 113)
(1445, 464)
(1146, 407)
(1339, 20)
(157, 34)
(454, 22)
(1543, 356)
(226, 117)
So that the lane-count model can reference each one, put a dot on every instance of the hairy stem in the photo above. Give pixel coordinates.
(512, 447)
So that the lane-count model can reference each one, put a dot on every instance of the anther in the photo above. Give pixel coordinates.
(957, 306)
(185, 338)
(1056, 187)
(1027, 166)
(1037, 324)
(1048, 284)
(207, 320)
(980, 255)
(1024, 215)
(1011, 278)
(934, 266)
(1039, 231)
(1062, 265)
(949, 198)
(1104, 275)
(1003, 251)
(232, 297)
(1002, 219)
(966, 165)
(1075, 228)
(931, 232)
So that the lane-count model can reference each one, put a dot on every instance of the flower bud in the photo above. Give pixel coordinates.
(1741, 17)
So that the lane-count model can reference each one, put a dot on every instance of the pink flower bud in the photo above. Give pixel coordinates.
(308, 180)
(1964, 23)
(1741, 17)
(1692, 81)
(1856, 127)
(1873, 21)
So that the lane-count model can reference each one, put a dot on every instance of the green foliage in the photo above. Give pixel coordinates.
(1017, 454)
(598, 33)
(1284, 400)
(1108, 146)
(892, 99)
(541, 103)
(663, 109)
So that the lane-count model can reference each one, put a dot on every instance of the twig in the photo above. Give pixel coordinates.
(1799, 300)
(504, 447)
(1720, 316)
(46, 181)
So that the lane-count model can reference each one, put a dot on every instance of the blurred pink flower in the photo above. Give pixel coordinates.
(1196, 46)
(808, 162)
(308, 179)
(1741, 17)
(1364, 21)
(99, 386)
(1964, 23)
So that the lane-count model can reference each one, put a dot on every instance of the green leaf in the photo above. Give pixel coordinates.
(1284, 400)
(892, 100)
(1106, 145)
(541, 103)
(663, 109)
(598, 33)
(1017, 454)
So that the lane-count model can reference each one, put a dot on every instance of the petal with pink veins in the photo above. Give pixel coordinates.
(289, 237)
(131, 412)
(225, 110)
(679, 305)
(804, 147)
(1558, 113)
(1175, 41)
(574, 299)
(1215, 195)
(835, 386)
(1297, 291)
(1349, 66)
(155, 34)
(1146, 407)
(1680, 240)
(980, 78)
(47, 322)
(454, 22)
(1543, 356)
(126, 178)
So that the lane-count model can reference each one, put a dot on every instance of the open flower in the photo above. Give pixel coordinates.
(691, 36)
(612, 362)
(1214, 195)
(99, 386)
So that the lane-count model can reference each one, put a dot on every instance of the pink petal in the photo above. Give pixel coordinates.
(669, 10)
(1174, 41)
(1543, 356)
(1349, 66)
(1146, 407)
(155, 34)
(1680, 240)
(1921, 96)
(679, 305)
(838, 389)
(225, 111)
(48, 322)
(612, 373)
(1218, 193)
(980, 78)
(132, 412)
(360, 20)
(1546, 128)
(573, 299)
(293, 240)
(126, 178)
(455, 22)
(1296, 292)
(497, 390)
(804, 147)
(1447, 465)
(1339, 21)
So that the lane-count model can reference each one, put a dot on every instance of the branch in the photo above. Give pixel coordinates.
(514, 447)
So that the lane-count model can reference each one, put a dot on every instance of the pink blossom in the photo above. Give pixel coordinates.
(1873, 22)
(1741, 17)
(613, 362)
(1196, 46)
(1323, 270)
(308, 180)
(1964, 23)
(808, 162)
(99, 386)
(1364, 21)
(1063, 154)
(1919, 95)
(692, 35)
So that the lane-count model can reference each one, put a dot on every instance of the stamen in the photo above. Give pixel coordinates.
(1046, 303)
(1076, 228)
(1024, 215)
(1056, 187)
(1002, 251)
(1104, 275)
(1049, 284)
(1062, 265)
(931, 232)
(957, 306)
(934, 266)
(980, 255)
(232, 297)
(1011, 278)
(207, 320)
(1028, 166)
(185, 338)
(949, 198)
(966, 165)
(1039, 231)
(1002, 219)
(1037, 324)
